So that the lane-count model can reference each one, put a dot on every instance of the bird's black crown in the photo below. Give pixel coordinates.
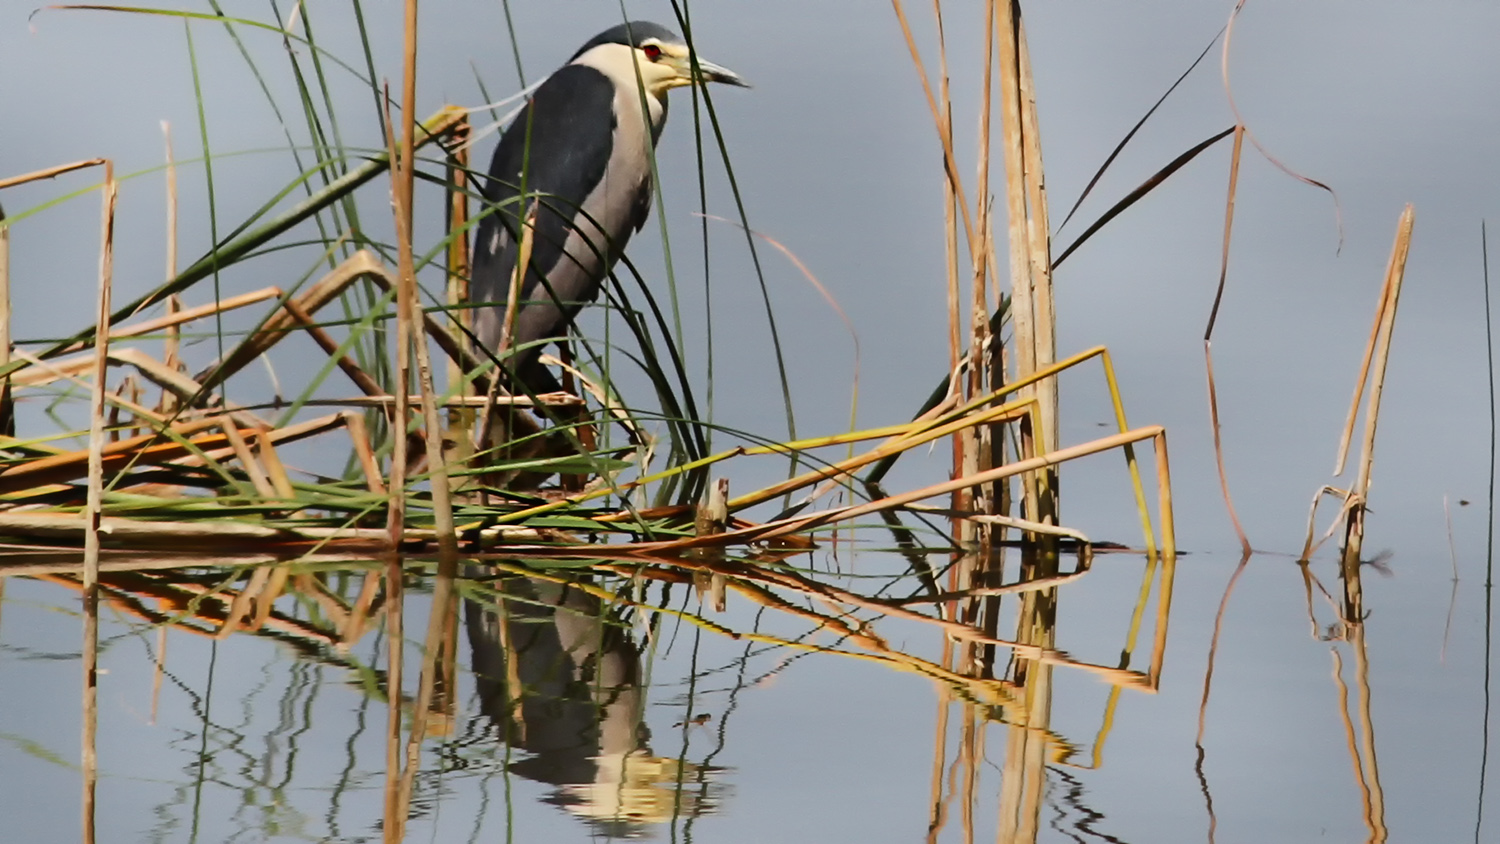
(631, 34)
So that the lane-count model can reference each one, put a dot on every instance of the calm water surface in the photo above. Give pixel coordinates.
(690, 734)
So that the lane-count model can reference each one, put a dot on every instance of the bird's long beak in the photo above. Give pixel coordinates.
(710, 72)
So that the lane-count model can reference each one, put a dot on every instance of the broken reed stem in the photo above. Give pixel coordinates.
(50, 172)
(95, 511)
(1390, 296)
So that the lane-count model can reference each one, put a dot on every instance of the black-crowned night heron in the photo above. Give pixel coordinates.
(581, 152)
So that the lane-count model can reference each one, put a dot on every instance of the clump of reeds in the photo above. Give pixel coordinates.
(190, 471)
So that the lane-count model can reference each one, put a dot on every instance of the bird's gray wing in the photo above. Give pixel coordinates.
(562, 141)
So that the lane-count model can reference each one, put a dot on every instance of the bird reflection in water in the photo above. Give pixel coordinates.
(560, 678)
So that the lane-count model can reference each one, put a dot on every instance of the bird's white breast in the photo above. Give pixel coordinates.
(612, 204)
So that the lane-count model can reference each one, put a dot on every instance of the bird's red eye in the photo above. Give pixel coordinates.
(652, 51)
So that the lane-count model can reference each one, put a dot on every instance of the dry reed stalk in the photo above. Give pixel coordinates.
(445, 339)
(517, 279)
(290, 433)
(361, 264)
(1026, 313)
(115, 401)
(46, 370)
(711, 518)
(408, 335)
(1164, 498)
(979, 442)
(359, 434)
(51, 172)
(252, 468)
(1213, 315)
(1038, 232)
(173, 343)
(547, 400)
(275, 471)
(950, 161)
(74, 464)
(1359, 493)
(330, 347)
(177, 315)
(95, 511)
(1009, 411)
(401, 417)
(459, 441)
(962, 441)
(7, 407)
